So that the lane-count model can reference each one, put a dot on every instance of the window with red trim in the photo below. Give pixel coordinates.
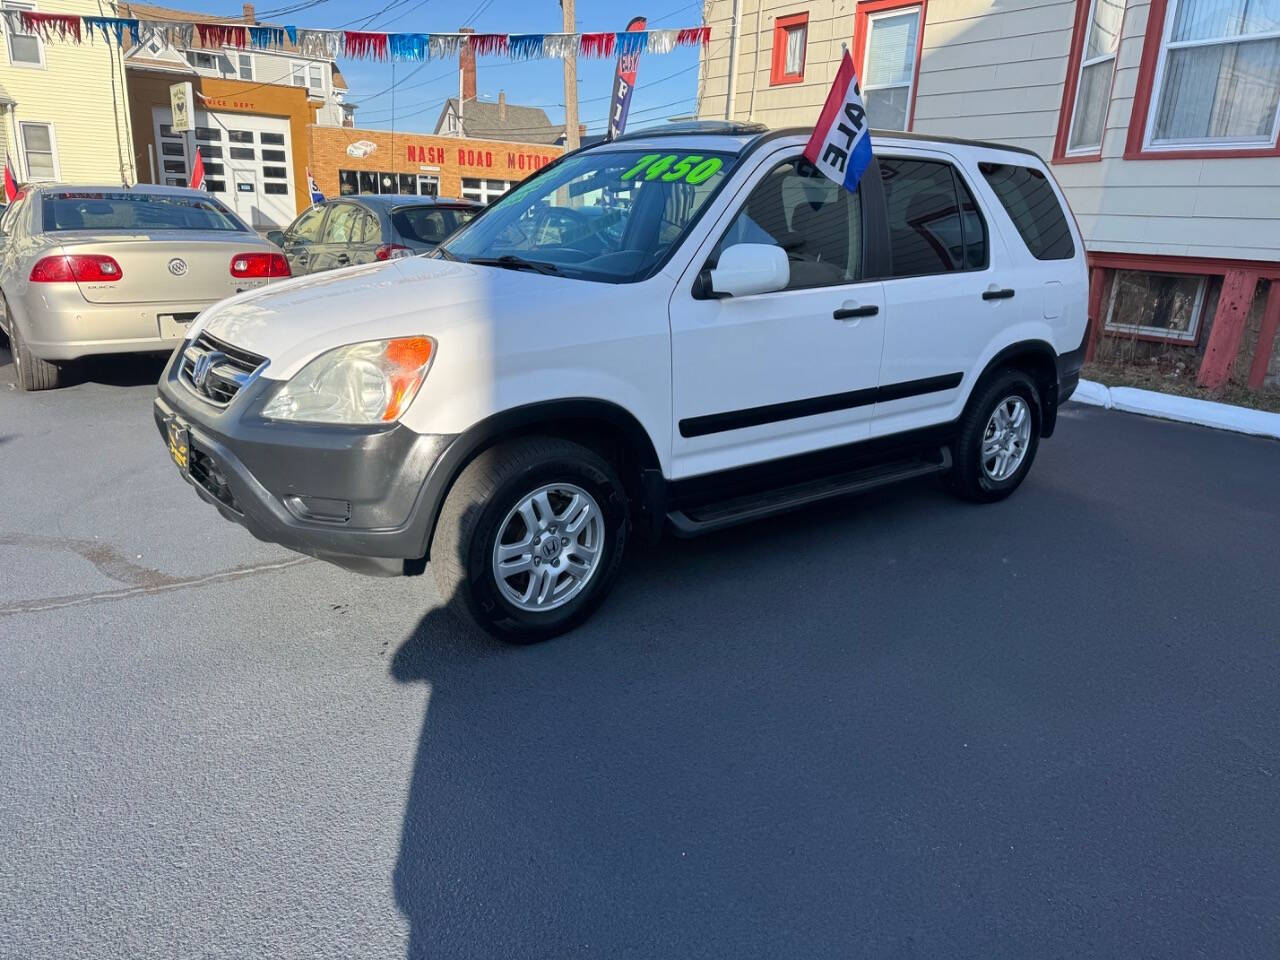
(790, 38)
(1091, 66)
(887, 39)
(1209, 81)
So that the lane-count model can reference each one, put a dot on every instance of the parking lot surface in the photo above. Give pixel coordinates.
(892, 726)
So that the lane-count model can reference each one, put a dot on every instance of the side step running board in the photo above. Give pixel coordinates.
(694, 521)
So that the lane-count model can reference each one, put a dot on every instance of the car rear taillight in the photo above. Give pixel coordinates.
(391, 251)
(76, 267)
(254, 265)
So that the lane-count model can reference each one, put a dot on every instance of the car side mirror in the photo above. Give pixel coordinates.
(749, 268)
(276, 237)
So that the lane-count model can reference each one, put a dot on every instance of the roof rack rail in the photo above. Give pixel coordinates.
(725, 128)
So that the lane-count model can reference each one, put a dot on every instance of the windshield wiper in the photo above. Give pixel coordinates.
(512, 262)
(445, 254)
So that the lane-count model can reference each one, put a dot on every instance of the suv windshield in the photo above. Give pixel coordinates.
(136, 210)
(604, 215)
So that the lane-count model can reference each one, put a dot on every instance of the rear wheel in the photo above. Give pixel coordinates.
(530, 538)
(998, 438)
(32, 372)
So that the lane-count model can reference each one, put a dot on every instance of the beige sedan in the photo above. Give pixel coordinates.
(88, 270)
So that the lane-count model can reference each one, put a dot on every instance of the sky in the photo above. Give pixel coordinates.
(666, 85)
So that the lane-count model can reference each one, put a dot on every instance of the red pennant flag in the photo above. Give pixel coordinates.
(197, 172)
(10, 182)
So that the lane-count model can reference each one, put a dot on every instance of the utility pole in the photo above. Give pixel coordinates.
(570, 83)
(735, 33)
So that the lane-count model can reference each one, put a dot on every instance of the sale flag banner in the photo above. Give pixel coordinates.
(841, 143)
(624, 81)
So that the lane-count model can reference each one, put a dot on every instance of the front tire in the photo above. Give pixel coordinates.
(31, 372)
(531, 538)
(998, 438)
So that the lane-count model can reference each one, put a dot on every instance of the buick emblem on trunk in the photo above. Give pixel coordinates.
(178, 267)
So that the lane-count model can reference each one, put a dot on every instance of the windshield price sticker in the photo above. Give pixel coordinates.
(671, 167)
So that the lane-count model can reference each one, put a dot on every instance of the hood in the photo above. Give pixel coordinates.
(291, 322)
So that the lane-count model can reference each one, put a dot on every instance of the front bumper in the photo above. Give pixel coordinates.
(356, 496)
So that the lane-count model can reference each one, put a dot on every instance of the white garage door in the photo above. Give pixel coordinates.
(248, 163)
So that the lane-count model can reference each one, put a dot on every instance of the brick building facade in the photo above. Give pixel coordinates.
(346, 161)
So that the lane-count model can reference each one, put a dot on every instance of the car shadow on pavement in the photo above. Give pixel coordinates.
(671, 773)
(124, 370)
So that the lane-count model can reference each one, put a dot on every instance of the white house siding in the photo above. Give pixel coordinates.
(995, 71)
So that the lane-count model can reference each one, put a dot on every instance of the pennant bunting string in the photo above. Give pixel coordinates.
(357, 44)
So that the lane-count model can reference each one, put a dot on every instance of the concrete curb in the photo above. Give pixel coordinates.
(1166, 406)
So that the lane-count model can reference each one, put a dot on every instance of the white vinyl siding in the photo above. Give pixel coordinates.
(889, 67)
(1097, 68)
(1218, 78)
(998, 73)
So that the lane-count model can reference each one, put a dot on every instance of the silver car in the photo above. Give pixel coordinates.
(88, 270)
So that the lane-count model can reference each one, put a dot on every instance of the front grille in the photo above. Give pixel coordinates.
(216, 371)
(205, 472)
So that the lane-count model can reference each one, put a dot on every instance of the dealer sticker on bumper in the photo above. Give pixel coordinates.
(179, 442)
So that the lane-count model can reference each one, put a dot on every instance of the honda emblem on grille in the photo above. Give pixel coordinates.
(203, 364)
(178, 267)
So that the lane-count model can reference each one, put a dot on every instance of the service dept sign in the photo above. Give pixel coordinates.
(180, 100)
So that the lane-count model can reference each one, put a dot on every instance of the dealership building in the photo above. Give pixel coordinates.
(346, 161)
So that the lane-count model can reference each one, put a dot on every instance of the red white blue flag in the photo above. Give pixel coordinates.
(11, 191)
(316, 195)
(197, 172)
(841, 143)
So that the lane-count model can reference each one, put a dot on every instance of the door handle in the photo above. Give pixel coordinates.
(343, 258)
(848, 313)
(1004, 294)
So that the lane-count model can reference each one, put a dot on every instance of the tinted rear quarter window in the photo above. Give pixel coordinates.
(1028, 198)
(934, 223)
(428, 224)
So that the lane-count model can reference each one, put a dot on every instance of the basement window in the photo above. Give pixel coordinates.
(1162, 306)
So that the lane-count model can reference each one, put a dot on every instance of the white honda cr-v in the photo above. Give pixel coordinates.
(686, 329)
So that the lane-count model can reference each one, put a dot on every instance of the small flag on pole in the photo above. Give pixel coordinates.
(197, 172)
(11, 192)
(841, 143)
(316, 195)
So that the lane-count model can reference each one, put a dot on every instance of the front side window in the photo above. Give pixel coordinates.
(136, 210)
(934, 222)
(1033, 207)
(889, 67)
(790, 38)
(1097, 65)
(37, 150)
(306, 229)
(1218, 79)
(604, 215)
(815, 220)
(1163, 305)
(25, 49)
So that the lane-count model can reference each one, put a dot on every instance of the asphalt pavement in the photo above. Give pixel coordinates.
(893, 726)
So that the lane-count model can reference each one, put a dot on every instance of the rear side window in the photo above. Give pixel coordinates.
(1028, 198)
(934, 223)
(426, 224)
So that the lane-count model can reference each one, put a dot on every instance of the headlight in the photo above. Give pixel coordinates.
(369, 382)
